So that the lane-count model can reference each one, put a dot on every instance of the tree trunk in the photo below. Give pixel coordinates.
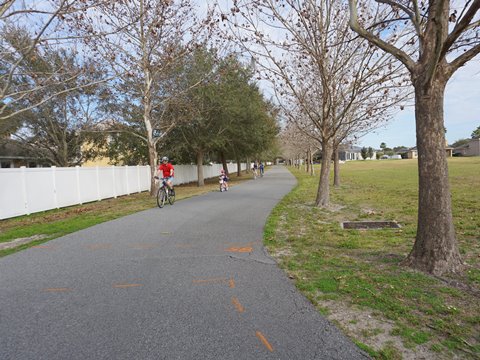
(201, 180)
(435, 249)
(323, 193)
(307, 162)
(239, 167)
(147, 119)
(336, 168)
(224, 162)
(152, 160)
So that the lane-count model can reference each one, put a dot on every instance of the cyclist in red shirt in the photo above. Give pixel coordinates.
(167, 171)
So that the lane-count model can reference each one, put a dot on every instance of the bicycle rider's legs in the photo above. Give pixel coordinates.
(170, 182)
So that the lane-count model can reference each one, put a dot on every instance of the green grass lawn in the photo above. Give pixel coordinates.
(55, 223)
(355, 277)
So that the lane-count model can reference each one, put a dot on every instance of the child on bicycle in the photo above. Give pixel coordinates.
(223, 179)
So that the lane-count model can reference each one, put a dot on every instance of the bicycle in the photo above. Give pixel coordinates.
(164, 194)
(223, 185)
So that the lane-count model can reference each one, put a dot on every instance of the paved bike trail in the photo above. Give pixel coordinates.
(189, 281)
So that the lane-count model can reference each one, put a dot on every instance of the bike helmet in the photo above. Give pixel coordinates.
(164, 158)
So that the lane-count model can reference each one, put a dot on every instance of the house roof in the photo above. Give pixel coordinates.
(11, 150)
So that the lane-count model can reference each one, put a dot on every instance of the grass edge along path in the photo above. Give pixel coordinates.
(55, 223)
(355, 277)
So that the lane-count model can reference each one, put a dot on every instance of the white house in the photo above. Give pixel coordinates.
(349, 152)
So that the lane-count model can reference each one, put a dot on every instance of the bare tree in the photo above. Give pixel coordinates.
(328, 80)
(144, 43)
(445, 36)
(42, 26)
(297, 147)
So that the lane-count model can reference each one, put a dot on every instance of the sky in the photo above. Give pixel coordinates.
(462, 112)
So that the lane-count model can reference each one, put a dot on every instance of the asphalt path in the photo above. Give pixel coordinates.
(189, 281)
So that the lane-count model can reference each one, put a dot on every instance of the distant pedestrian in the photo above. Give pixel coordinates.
(262, 169)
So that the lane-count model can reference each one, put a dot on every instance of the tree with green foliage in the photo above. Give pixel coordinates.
(370, 152)
(460, 142)
(225, 114)
(56, 131)
(476, 133)
(364, 153)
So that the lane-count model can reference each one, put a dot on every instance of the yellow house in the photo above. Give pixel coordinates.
(413, 153)
(99, 161)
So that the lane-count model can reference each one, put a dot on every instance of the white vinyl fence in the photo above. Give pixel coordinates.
(28, 190)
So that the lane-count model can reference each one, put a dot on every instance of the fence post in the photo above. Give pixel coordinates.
(24, 190)
(77, 172)
(114, 183)
(98, 183)
(126, 179)
(54, 179)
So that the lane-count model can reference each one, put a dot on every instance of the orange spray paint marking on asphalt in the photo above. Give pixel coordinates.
(125, 286)
(231, 283)
(264, 341)
(42, 247)
(206, 281)
(57, 289)
(247, 249)
(237, 305)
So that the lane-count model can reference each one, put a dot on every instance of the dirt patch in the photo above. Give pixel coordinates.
(369, 211)
(370, 225)
(334, 207)
(283, 252)
(21, 241)
(373, 331)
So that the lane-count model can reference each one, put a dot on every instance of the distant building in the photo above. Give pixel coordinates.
(472, 148)
(350, 152)
(13, 155)
(412, 153)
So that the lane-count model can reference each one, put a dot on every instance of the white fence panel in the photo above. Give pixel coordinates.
(105, 182)
(66, 184)
(12, 202)
(88, 184)
(120, 181)
(40, 189)
(132, 179)
(24, 191)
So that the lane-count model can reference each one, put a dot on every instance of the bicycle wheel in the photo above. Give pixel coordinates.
(161, 197)
(171, 196)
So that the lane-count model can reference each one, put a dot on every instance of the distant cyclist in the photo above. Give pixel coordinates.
(223, 178)
(254, 170)
(167, 171)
